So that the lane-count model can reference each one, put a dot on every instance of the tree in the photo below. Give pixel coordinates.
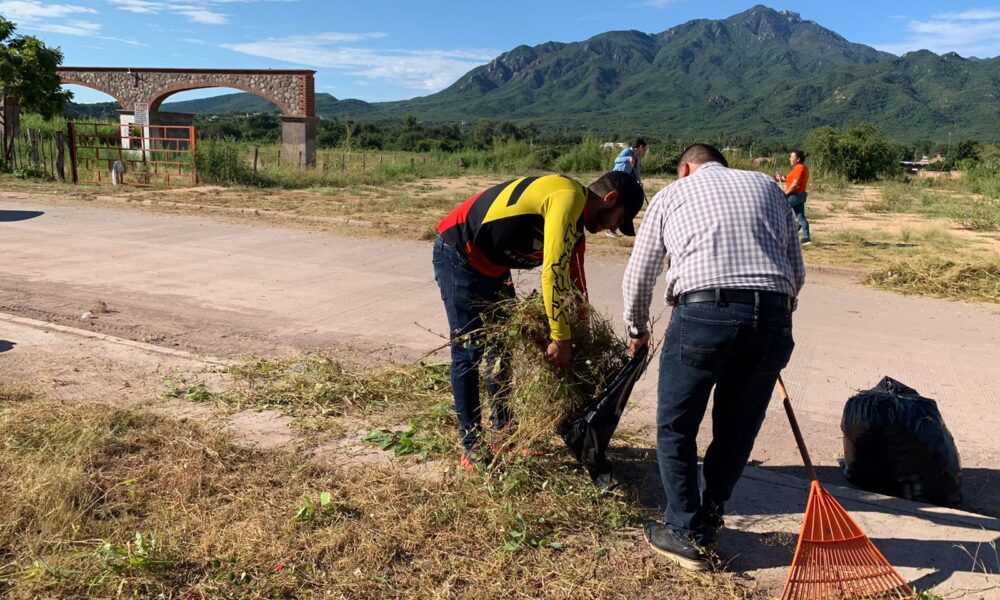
(28, 72)
(861, 153)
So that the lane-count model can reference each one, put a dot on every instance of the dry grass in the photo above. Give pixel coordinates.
(105, 502)
(539, 398)
(968, 280)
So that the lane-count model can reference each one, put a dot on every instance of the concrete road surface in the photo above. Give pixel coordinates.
(214, 286)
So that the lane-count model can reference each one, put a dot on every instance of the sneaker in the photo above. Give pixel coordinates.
(681, 550)
(474, 461)
(612, 233)
(806, 242)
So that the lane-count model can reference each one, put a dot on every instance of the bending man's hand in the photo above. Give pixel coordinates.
(560, 353)
(636, 344)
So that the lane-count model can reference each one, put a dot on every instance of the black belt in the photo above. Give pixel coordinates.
(751, 297)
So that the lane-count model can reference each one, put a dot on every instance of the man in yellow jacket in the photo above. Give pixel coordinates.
(520, 224)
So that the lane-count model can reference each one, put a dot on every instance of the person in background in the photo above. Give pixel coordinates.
(629, 161)
(795, 190)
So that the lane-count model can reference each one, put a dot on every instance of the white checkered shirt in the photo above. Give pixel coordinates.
(719, 228)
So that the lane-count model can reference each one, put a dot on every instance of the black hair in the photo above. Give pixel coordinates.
(699, 154)
(638, 142)
(629, 190)
(801, 154)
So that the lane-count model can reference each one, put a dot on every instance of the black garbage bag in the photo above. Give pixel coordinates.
(896, 443)
(589, 433)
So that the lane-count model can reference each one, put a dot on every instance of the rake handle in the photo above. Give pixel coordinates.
(799, 440)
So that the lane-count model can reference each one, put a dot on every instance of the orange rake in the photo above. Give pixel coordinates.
(834, 559)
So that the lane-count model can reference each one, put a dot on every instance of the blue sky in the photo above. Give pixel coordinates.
(389, 50)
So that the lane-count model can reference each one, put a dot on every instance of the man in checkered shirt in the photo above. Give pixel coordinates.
(735, 271)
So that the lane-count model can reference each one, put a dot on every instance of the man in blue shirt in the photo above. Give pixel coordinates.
(629, 159)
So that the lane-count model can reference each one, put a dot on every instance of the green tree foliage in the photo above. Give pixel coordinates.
(861, 153)
(28, 72)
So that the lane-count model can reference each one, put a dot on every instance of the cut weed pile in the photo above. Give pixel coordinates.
(105, 502)
(539, 398)
(314, 384)
(972, 281)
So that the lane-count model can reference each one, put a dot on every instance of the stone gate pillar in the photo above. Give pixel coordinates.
(298, 137)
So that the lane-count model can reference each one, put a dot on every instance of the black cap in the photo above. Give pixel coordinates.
(631, 195)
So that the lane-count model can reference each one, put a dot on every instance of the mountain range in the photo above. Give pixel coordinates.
(762, 73)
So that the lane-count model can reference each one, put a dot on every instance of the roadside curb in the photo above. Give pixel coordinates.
(114, 340)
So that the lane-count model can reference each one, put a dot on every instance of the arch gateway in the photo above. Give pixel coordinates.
(145, 89)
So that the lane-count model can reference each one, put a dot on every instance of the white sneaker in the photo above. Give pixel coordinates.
(612, 233)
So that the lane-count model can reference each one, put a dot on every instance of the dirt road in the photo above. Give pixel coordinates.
(218, 287)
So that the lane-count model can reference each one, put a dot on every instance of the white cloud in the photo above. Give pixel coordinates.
(25, 11)
(425, 70)
(203, 12)
(64, 19)
(205, 17)
(969, 33)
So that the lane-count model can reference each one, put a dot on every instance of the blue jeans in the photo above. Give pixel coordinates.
(739, 352)
(469, 297)
(797, 202)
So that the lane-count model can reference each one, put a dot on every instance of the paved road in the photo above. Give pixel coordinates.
(213, 286)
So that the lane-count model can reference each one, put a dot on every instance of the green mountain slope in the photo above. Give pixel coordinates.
(761, 72)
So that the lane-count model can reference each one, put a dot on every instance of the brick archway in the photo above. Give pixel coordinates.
(292, 91)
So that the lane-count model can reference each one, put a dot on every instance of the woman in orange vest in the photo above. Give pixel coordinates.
(795, 190)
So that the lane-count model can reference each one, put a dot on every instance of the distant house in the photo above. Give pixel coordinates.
(916, 166)
(618, 145)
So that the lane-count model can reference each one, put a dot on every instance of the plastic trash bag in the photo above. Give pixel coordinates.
(589, 433)
(896, 443)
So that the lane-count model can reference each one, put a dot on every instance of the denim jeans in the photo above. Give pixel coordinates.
(739, 352)
(797, 202)
(468, 297)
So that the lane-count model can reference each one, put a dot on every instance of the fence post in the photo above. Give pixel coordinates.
(364, 165)
(60, 159)
(255, 152)
(379, 161)
(72, 150)
(194, 155)
(300, 159)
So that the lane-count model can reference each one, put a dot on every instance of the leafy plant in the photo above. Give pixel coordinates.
(142, 552)
(309, 510)
(407, 442)
(197, 392)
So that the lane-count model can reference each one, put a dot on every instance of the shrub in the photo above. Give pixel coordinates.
(585, 156)
(224, 163)
(861, 153)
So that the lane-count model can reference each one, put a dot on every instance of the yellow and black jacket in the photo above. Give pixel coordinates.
(522, 224)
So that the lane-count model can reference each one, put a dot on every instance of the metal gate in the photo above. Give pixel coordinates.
(140, 155)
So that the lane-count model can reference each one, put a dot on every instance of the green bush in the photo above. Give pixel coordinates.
(588, 155)
(224, 162)
(861, 153)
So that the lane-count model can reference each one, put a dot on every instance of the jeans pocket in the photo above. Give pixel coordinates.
(706, 341)
(780, 344)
